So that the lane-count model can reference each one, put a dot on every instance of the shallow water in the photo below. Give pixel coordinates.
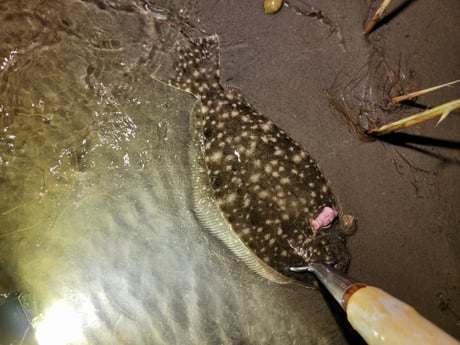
(95, 211)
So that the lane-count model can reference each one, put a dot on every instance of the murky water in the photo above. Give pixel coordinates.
(96, 225)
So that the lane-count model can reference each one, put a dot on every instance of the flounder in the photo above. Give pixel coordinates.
(255, 188)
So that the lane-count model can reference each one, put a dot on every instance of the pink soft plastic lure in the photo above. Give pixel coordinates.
(324, 219)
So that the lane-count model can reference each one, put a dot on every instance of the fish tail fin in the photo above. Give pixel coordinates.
(194, 66)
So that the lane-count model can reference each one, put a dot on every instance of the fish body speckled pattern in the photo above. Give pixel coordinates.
(265, 187)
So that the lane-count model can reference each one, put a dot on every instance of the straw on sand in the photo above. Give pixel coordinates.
(442, 110)
(376, 17)
(422, 92)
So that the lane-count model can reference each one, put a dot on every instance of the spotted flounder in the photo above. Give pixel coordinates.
(255, 188)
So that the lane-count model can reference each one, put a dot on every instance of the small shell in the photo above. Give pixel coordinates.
(272, 6)
(348, 224)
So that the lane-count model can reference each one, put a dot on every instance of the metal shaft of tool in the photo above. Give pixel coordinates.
(335, 281)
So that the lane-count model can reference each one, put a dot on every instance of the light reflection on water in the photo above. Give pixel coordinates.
(94, 205)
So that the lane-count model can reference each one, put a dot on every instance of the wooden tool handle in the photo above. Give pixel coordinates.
(383, 319)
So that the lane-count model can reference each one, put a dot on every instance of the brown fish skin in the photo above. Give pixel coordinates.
(266, 185)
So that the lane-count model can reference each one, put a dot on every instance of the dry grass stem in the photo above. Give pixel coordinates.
(442, 110)
(422, 92)
(376, 17)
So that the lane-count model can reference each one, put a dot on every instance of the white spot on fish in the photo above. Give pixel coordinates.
(297, 158)
(255, 177)
(231, 197)
(216, 156)
(285, 180)
(267, 126)
(237, 154)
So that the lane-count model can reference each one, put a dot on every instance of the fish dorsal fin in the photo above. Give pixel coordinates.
(193, 66)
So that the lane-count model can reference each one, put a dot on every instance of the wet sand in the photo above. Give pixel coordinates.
(404, 192)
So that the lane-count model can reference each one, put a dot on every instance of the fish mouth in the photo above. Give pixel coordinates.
(330, 249)
(326, 246)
